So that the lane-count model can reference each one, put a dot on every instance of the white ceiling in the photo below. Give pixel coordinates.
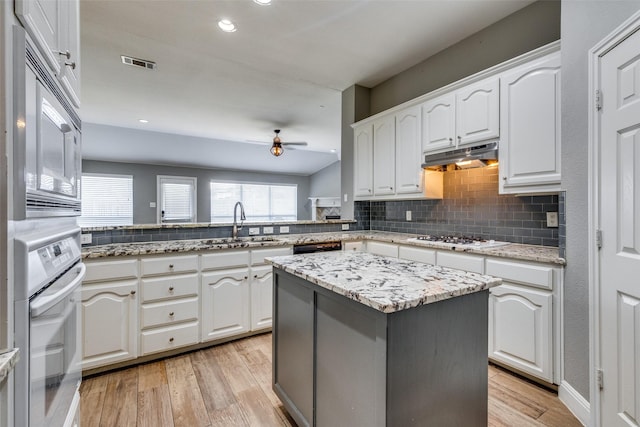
(285, 67)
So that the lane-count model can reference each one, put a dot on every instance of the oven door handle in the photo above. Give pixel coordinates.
(44, 303)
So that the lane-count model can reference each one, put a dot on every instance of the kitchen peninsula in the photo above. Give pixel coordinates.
(361, 339)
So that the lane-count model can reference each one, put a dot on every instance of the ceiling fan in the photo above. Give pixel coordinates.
(277, 147)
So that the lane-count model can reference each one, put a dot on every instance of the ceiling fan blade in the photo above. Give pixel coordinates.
(295, 143)
(253, 141)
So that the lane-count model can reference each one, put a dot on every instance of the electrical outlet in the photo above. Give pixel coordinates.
(345, 227)
(267, 230)
(86, 239)
(552, 219)
(346, 197)
(284, 229)
(408, 215)
(152, 204)
(254, 231)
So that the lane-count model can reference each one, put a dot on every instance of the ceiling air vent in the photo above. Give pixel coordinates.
(137, 62)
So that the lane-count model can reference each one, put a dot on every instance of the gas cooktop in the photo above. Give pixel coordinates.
(452, 241)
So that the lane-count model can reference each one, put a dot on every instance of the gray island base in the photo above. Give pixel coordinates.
(419, 358)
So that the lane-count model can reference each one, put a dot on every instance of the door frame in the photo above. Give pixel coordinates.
(605, 45)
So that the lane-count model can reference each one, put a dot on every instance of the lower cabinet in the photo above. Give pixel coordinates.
(225, 303)
(261, 297)
(110, 323)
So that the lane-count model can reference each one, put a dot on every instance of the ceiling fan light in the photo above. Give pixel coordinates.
(276, 149)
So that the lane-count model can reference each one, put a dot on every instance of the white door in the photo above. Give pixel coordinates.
(439, 123)
(225, 303)
(363, 161)
(620, 224)
(384, 156)
(408, 151)
(478, 112)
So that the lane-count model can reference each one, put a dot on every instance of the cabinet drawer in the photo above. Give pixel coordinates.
(225, 259)
(258, 255)
(539, 276)
(169, 264)
(470, 263)
(169, 312)
(162, 339)
(169, 287)
(427, 256)
(384, 249)
(352, 246)
(111, 270)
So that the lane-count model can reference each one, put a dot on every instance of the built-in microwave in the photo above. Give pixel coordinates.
(47, 139)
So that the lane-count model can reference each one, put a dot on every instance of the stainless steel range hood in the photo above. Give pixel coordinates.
(465, 158)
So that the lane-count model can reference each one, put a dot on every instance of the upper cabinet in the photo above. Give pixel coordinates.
(478, 112)
(530, 127)
(363, 165)
(384, 156)
(439, 123)
(409, 174)
(54, 26)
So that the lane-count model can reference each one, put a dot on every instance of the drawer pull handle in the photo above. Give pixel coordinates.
(246, 277)
(171, 314)
(170, 288)
(255, 276)
(170, 266)
(133, 292)
(171, 339)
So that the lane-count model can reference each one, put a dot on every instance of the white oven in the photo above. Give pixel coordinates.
(48, 274)
(47, 139)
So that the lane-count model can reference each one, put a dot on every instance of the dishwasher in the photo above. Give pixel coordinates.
(308, 248)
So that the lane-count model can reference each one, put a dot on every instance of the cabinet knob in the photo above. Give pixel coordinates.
(255, 276)
(66, 54)
(390, 188)
(246, 277)
(170, 266)
(133, 292)
(504, 178)
(171, 314)
(70, 64)
(171, 339)
(417, 186)
(170, 288)
(369, 190)
(459, 139)
(450, 139)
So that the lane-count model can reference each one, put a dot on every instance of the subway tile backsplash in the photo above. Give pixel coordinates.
(472, 207)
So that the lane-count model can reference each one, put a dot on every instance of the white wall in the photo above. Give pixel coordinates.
(583, 24)
(326, 182)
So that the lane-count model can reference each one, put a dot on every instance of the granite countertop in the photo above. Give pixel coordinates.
(385, 284)
(514, 251)
(8, 361)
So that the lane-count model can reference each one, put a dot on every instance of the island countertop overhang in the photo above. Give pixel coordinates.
(382, 283)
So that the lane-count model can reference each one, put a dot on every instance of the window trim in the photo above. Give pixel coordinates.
(176, 179)
(111, 175)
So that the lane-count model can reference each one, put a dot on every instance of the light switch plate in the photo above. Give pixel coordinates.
(86, 239)
(284, 229)
(267, 230)
(552, 219)
(152, 204)
(345, 227)
(254, 231)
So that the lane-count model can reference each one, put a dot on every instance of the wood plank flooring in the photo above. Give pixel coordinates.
(230, 385)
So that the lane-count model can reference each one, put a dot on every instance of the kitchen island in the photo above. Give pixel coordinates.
(366, 340)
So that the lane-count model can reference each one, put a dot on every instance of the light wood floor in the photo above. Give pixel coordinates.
(230, 385)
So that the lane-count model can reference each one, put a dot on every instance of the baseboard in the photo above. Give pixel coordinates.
(577, 404)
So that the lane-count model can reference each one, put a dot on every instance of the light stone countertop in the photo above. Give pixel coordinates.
(385, 284)
(8, 361)
(544, 254)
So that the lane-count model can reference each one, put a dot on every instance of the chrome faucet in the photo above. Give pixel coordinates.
(234, 233)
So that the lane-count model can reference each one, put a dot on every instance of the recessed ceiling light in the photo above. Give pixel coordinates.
(143, 121)
(227, 26)
(262, 2)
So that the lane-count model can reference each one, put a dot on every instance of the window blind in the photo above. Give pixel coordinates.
(177, 196)
(262, 202)
(106, 200)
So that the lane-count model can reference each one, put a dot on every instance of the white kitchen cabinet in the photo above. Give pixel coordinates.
(451, 259)
(155, 265)
(530, 127)
(478, 112)
(409, 174)
(384, 156)
(353, 246)
(225, 303)
(109, 322)
(363, 161)
(439, 123)
(382, 248)
(261, 286)
(412, 253)
(54, 26)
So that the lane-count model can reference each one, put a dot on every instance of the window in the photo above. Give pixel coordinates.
(262, 202)
(106, 200)
(177, 199)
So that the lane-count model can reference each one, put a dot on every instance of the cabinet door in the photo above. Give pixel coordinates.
(41, 19)
(225, 303)
(520, 329)
(363, 161)
(478, 112)
(450, 259)
(439, 123)
(109, 323)
(381, 248)
(530, 126)
(408, 151)
(261, 297)
(384, 156)
(70, 42)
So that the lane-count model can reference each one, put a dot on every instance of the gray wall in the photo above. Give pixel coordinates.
(326, 182)
(584, 23)
(531, 27)
(145, 182)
